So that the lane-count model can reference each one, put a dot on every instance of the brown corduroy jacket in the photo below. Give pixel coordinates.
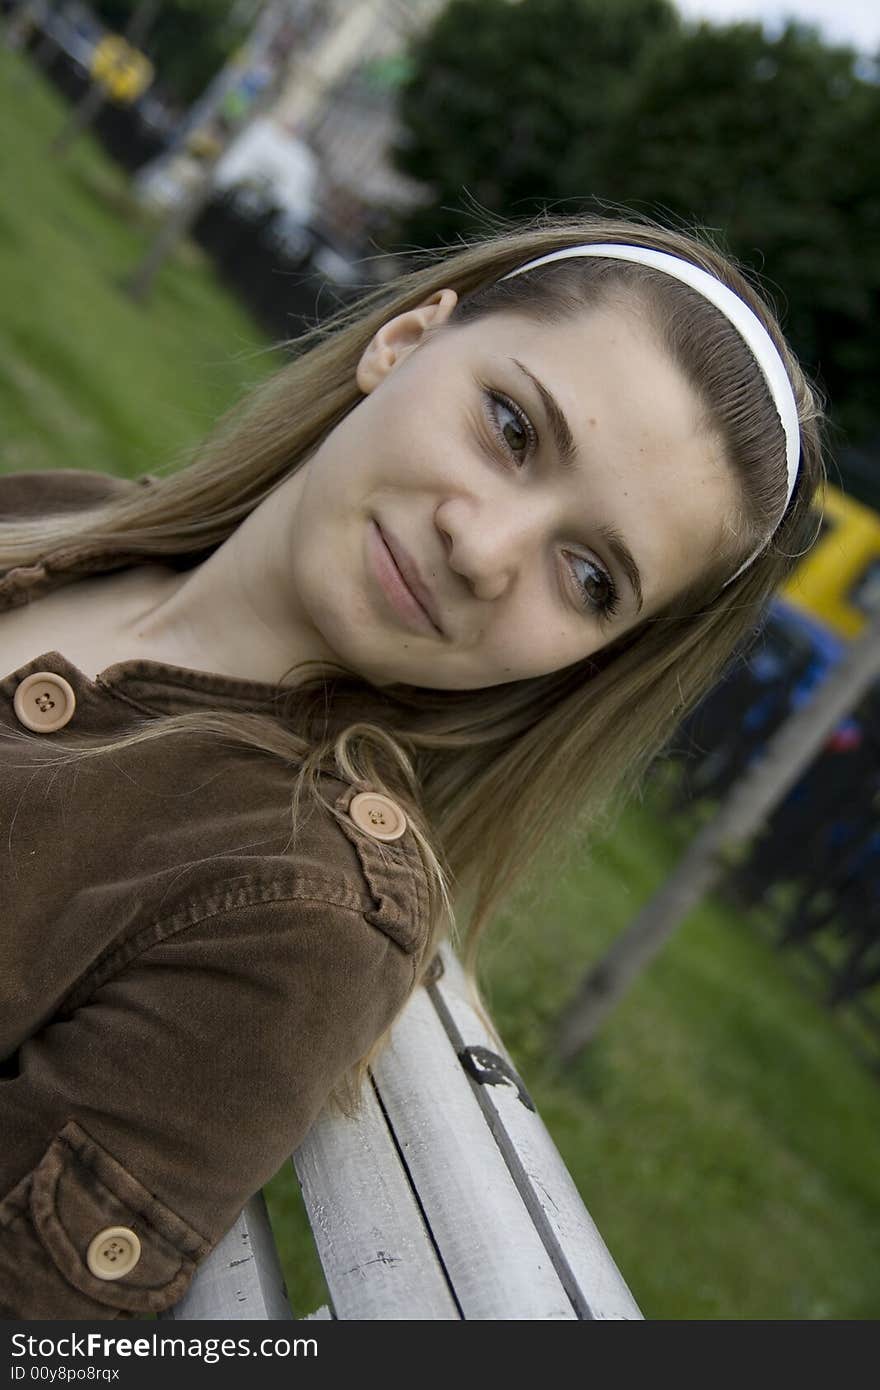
(179, 990)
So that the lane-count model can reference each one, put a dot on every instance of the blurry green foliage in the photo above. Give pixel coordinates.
(502, 95)
(774, 142)
(769, 141)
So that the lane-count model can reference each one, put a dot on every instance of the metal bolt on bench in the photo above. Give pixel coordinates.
(445, 1199)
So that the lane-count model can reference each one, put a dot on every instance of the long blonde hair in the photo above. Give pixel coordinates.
(490, 779)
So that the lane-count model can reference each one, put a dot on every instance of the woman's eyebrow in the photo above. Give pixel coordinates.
(565, 445)
(567, 450)
(619, 548)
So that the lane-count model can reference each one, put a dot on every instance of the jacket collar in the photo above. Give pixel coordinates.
(157, 688)
(151, 686)
(393, 870)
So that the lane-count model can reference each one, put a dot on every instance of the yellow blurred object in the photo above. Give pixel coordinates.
(838, 581)
(123, 70)
(204, 143)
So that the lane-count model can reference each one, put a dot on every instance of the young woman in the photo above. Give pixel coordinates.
(278, 721)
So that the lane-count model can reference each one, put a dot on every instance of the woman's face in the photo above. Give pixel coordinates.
(550, 486)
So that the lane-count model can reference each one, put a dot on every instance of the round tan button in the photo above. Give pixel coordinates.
(378, 815)
(44, 702)
(113, 1252)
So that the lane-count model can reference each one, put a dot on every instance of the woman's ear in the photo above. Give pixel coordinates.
(400, 336)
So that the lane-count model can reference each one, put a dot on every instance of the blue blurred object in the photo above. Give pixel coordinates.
(825, 646)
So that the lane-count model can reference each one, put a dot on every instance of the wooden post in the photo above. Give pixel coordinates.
(138, 284)
(751, 800)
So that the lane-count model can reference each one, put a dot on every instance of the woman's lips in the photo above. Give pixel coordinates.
(394, 586)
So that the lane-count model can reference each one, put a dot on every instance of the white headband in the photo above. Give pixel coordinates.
(747, 324)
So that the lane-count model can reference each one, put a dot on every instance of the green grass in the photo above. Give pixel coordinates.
(87, 378)
(720, 1129)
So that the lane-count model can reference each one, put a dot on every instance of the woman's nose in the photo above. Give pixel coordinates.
(488, 548)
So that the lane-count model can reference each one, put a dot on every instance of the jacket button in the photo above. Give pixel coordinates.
(378, 815)
(44, 702)
(114, 1252)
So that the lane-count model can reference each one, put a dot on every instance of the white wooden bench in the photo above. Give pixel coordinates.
(446, 1198)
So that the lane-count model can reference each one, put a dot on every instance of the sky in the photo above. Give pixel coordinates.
(855, 22)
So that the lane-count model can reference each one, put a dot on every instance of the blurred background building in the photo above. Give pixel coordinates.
(340, 99)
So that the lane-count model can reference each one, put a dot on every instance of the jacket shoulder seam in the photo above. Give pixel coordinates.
(199, 910)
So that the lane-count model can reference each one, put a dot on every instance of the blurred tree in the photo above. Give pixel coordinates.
(190, 39)
(502, 93)
(774, 142)
(769, 141)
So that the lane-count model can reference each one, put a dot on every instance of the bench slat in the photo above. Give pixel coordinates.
(379, 1261)
(444, 1198)
(494, 1257)
(585, 1266)
(241, 1278)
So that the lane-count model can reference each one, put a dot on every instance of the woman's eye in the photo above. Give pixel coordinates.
(512, 426)
(598, 589)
